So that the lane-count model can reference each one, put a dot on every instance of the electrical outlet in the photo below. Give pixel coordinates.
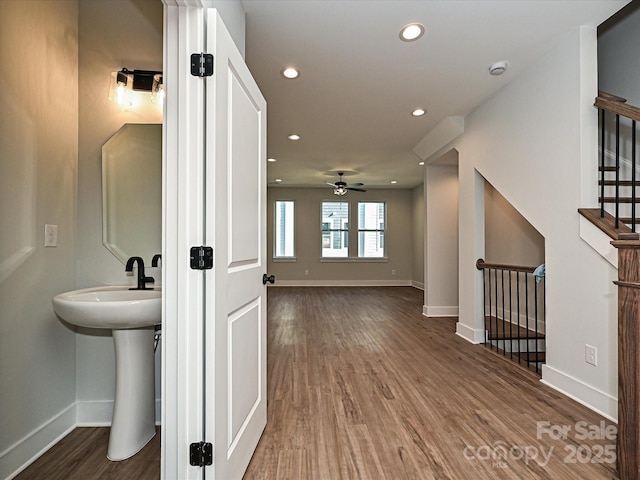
(393, 272)
(50, 235)
(591, 355)
(306, 272)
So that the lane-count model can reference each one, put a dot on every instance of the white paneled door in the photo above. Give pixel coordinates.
(214, 320)
(235, 356)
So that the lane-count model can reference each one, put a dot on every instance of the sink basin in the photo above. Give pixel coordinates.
(131, 315)
(113, 307)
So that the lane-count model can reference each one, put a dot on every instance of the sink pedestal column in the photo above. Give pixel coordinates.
(133, 423)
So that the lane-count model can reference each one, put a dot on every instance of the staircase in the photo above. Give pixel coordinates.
(617, 217)
(618, 175)
(514, 313)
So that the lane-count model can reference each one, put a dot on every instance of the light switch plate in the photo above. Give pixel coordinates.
(50, 235)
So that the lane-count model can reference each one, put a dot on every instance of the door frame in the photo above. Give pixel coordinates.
(182, 228)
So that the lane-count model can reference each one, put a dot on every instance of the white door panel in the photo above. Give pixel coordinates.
(235, 323)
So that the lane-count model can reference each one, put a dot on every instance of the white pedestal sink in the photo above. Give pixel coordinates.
(131, 315)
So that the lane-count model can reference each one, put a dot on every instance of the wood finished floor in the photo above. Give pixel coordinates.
(362, 386)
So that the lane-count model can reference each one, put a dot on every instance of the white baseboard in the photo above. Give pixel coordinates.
(592, 398)
(418, 285)
(28, 449)
(470, 334)
(439, 311)
(343, 283)
(94, 413)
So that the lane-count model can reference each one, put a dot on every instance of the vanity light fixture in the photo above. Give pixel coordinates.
(124, 81)
(290, 73)
(411, 32)
(294, 136)
(418, 112)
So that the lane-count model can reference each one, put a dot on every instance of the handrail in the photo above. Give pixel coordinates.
(617, 105)
(481, 265)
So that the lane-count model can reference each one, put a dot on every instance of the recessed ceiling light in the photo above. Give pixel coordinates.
(290, 72)
(421, 163)
(278, 180)
(418, 112)
(294, 136)
(271, 159)
(498, 68)
(394, 181)
(411, 32)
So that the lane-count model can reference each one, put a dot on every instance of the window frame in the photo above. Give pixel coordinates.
(283, 258)
(382, 232)
(343, 231)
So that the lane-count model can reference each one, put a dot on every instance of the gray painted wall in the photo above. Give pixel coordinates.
(399, 238)
(38, 165)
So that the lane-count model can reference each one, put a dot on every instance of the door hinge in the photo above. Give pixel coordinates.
(201, 258)
(201, 64)
(201, 454)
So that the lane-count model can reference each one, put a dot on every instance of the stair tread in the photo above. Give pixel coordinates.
(501, 330)
(622, 183)
(529, 357)
(607, 224)
(620, 199)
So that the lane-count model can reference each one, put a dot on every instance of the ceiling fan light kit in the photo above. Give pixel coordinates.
(341, 188)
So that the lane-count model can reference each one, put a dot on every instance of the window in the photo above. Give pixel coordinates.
(371, 226)
(335, 229)
(284, 239)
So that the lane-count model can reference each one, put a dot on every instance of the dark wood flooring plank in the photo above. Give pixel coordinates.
(394, 395)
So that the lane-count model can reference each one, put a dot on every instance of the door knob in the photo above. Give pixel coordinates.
(268, 278)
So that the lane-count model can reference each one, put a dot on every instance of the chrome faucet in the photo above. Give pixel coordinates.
(142, 279)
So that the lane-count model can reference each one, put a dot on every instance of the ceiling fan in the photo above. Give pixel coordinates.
(340, 187)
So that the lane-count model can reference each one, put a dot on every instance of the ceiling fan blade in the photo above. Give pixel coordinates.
(332, 184)
(356, 189)
(355, 184)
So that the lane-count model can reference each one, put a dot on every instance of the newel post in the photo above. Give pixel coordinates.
(628, 444)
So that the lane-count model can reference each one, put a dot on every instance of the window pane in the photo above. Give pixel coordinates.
(284, 231)
(335, 229)
(371, 228)
(371, 215)
(371, 244)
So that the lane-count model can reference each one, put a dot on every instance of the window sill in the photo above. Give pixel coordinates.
(284, 260)
(354, 260)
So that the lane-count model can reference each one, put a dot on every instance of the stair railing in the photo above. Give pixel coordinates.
(514, 302)
(617, 106)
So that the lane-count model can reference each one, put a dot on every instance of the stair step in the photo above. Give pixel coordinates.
(622, 183)
(528, 357)
(607, 224)
(500, 330)
(530, 360)
(620, 200)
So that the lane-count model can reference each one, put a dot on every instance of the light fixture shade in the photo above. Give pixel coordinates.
(120, 88)
(339, 191)
(157, 90)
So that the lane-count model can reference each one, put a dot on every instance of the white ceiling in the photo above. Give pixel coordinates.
(359, 82)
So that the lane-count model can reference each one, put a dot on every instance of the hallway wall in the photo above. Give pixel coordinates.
(38, 167)
(531, 141)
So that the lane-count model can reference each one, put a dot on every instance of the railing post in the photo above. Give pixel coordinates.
(628, 440)
(602, 163)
